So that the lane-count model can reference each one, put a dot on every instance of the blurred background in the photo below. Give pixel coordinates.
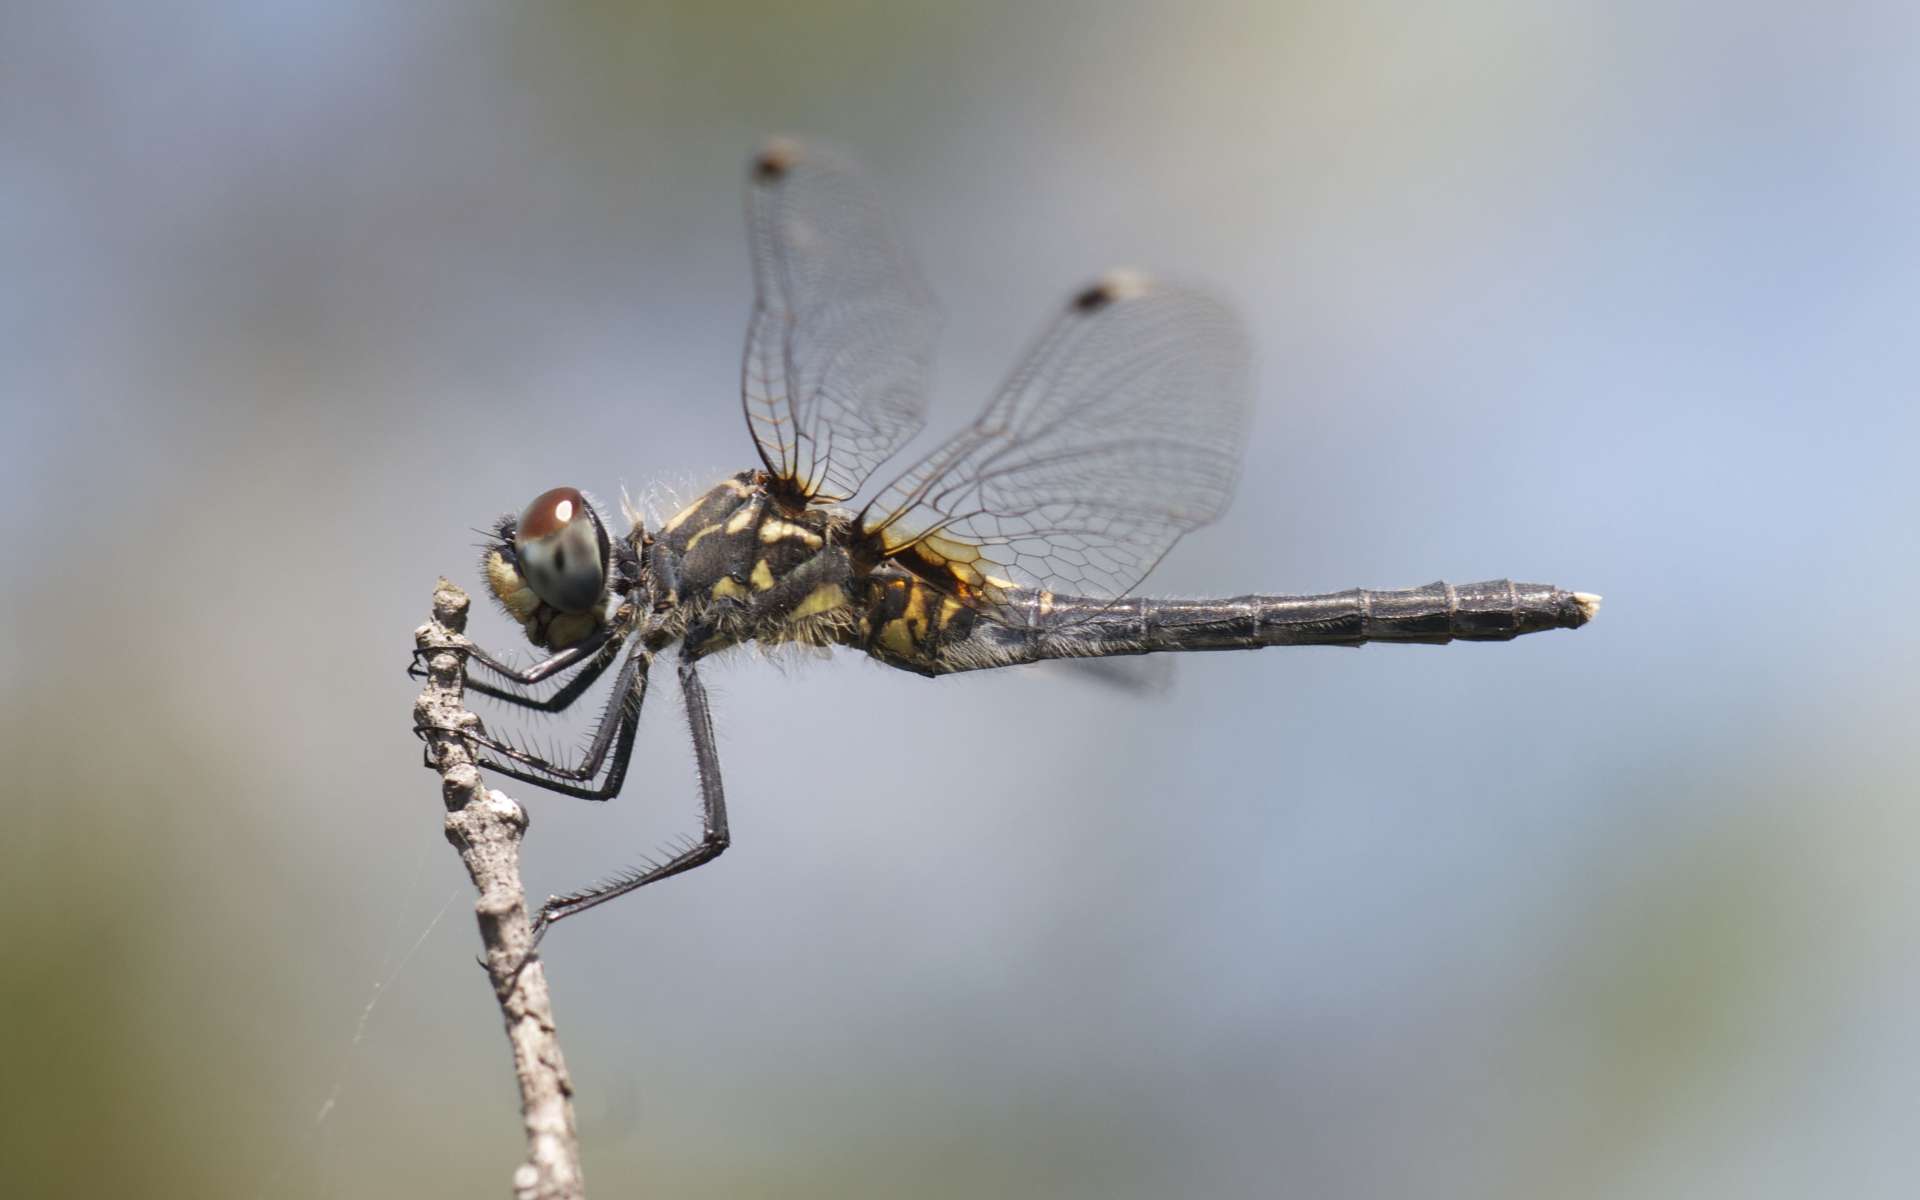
(1618, 297)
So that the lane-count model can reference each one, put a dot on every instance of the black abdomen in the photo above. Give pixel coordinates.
(1043, 626)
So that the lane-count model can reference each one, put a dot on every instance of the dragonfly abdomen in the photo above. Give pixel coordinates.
(1073, 627)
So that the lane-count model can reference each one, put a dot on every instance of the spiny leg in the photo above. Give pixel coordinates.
(615, 734)
(548, 667)
(592, 645)
(561, 699)
(714, 837)
(530, 675)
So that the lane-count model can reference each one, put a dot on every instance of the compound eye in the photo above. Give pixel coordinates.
(563, 550)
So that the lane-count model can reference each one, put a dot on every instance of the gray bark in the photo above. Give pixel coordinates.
(486, 826)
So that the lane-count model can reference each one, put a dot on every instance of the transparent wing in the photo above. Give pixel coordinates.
(1120, 431)
(834, 378)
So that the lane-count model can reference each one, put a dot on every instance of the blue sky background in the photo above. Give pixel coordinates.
(1618, 297)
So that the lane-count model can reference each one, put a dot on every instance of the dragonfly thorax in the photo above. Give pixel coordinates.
(740, 564)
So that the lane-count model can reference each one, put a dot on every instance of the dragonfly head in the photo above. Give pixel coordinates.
(548, 567)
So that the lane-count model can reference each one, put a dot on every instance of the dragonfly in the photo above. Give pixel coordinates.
(1020, 539)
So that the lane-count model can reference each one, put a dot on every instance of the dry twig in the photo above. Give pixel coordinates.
(485, 826)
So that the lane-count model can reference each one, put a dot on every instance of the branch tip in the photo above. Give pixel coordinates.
(485, 826)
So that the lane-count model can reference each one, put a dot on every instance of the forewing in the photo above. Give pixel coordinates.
(1120, 431)
(834, 378)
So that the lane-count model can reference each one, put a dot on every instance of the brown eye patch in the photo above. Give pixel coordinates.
(550, 512)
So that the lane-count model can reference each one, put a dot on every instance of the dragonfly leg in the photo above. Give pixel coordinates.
(546, 668)
(593, 645)
(612, 744)
(561, 699)
(714, 837)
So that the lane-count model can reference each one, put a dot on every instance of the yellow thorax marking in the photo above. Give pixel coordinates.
(825, 598)
(774, 529)
(762, 576)
(727, 587)
(895, 636)
(740, 521)
(680, 518)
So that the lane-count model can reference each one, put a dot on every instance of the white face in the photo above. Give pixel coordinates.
(563, 550)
